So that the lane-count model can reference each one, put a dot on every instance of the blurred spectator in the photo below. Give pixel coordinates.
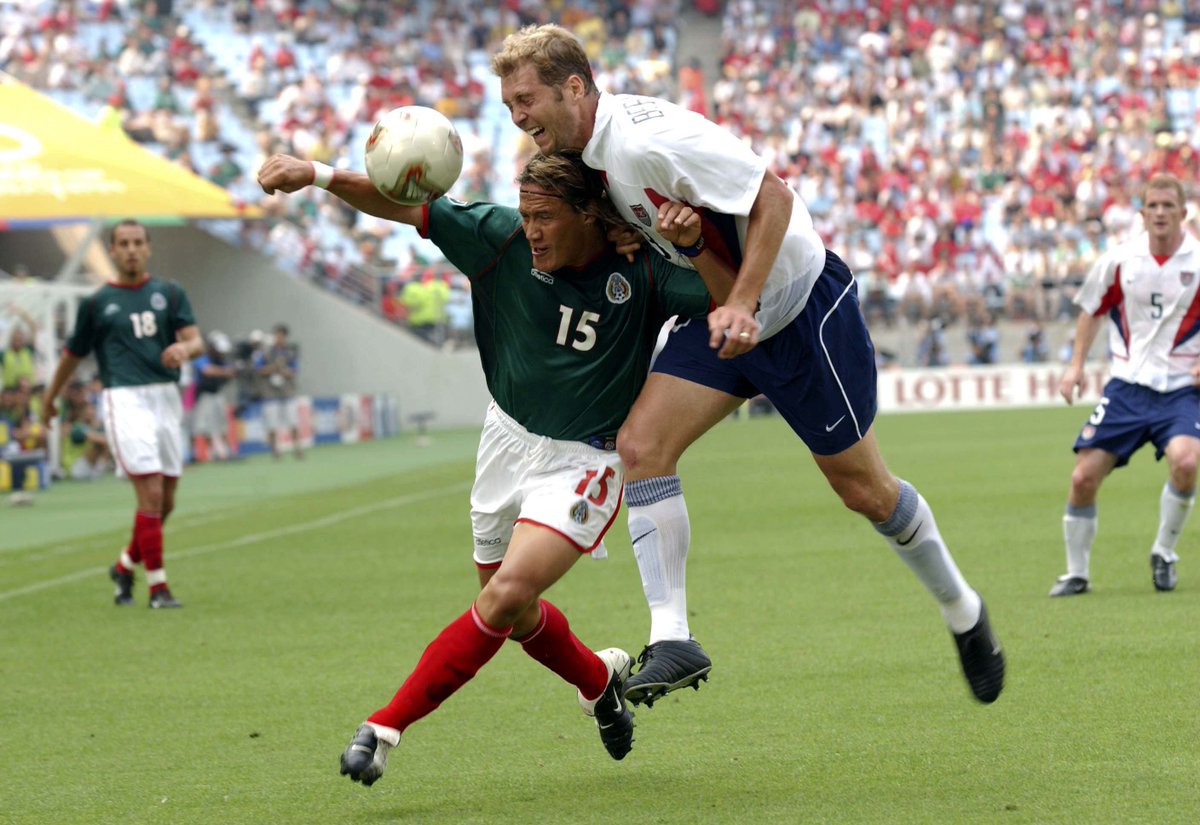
(1035, 350)
(931, 350)
(214, 369)
(84, 447)
(983, 339)
(18, 360)
(276, 366)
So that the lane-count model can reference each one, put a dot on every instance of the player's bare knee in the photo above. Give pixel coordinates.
(504, 599)
(1084, 485)
(866, 500)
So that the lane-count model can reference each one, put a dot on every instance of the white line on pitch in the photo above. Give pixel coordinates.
(253, 538)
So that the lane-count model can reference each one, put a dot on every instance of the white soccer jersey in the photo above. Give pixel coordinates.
(1153, 309)
(651, 151)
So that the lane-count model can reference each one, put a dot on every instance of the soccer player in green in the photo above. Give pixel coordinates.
(142, 330)
(556, 308)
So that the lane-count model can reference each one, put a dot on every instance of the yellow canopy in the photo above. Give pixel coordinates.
(56, 166)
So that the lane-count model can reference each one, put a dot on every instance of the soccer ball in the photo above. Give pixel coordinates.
(413, 155)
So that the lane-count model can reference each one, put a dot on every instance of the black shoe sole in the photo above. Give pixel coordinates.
(650, 692)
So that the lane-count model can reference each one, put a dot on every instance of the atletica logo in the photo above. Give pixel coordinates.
(544, 277)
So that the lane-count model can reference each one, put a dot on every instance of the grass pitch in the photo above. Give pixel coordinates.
(312, 587)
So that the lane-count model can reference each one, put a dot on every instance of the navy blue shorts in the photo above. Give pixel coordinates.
(818, 371)
(1130, 415)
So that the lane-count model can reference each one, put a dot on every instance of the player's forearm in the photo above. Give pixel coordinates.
(768, 224)
(1086, 329)
(356, 189)
(62, 373)
(718, 276)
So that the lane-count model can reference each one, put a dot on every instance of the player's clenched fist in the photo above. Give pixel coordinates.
(285, 173)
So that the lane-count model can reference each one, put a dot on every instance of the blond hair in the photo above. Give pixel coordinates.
(1163, 180)
(554, 52)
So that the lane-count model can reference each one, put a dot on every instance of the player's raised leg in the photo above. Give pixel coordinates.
(668, 416)
(903, 517)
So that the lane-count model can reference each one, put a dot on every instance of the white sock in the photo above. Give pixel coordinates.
(913, 534)
(1079, 531)
(1174, 508)
(660, 531)
(385, 734)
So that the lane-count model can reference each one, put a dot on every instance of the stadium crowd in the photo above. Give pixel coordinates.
(969, 159)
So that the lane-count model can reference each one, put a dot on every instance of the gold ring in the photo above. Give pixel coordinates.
(743, 335)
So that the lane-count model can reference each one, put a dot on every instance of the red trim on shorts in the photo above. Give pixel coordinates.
(572, 542)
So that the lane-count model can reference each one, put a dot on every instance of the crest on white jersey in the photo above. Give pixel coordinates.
(157, 301)
(640, 213)
(1185, 278)
(618, 289)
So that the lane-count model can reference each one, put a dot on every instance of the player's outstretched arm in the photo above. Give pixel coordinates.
(285, 173)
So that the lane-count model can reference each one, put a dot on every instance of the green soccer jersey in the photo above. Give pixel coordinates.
(565, 353)
(128, 327)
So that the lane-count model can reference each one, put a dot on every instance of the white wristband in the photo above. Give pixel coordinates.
(322, 174)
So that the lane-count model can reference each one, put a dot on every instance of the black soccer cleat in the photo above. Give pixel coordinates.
(123, 594)
(667, 666)
(1163, 573)
(1070, 586)
(982, 659)
(366, 756)
(614, 719)
(162, 599)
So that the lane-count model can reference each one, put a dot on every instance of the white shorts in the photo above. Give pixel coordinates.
(208, 416)
(145, 428)
(279, 414)
(566, 486)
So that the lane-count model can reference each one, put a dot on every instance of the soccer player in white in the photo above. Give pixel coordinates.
(790, 329)
(1147, 291)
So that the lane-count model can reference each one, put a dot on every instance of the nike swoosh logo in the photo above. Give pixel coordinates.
(830, 427)
(911, 536)
(643, 535)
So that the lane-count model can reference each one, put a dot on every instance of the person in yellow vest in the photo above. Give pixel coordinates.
(425, 298)
(19, 359)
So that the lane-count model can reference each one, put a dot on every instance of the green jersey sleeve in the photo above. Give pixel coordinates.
(679, 291)
(182, 314)
(471, 235)
(83, 335)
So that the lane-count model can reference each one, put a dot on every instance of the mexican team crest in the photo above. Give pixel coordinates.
(580, 512)
(157, 301)
(618, 289)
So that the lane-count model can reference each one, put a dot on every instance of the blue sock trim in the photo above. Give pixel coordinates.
(647, 491)
(902, 516)
(1081, 512)
(1179, 493)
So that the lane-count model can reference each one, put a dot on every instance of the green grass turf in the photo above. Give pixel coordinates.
(312, 587)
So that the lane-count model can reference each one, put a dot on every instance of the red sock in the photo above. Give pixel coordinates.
(147, 536)
(450, 661)
(554, 645)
